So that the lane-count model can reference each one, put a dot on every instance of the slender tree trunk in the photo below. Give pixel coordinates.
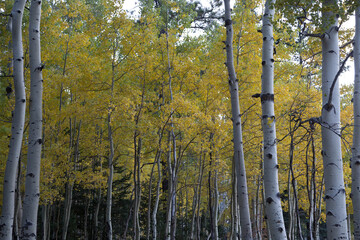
(355, 161)
(240, 173)
(349, 225)
(128, 219)
(257, 210)
(70, 184)
(198, 217)
(234, 213)
(18, 204)
(170, 190)
(149, 217)
(216, 206)
(109, 230)
(32, 182)
(156, 204)
(291, 211)
(67, 208)
(157, 198)
(56, 210)
(195, 201)
(96, 214)
(45, 221)
(17, 126)
(272, 195)
(293, 181)
(310, 190)
(148, 227)
(98, 196)
(86, 213)
(336, 224)
(170, 228)
(137, 147)
(210, 198)
(318, 214)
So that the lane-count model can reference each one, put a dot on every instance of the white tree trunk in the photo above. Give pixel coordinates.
(17, 128)
(355, 161)
(216, 206)
(157, 200)
(137, 187)
(170, 228)
(240, 173)
(272, 195)
(69, 187)
(109, 231)
(32, 182)
(336, 223)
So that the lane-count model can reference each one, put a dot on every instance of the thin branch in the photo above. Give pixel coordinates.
(341, 47)
(242, 114)
(328, 106)
(318, 35)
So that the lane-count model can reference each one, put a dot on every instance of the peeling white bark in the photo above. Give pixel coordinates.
(272, 195)
(17, 128)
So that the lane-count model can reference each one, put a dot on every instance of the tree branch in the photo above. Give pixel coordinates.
(328, 106)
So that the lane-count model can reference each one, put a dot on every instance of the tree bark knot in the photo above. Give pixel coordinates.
(228, 22)
(328, 107)
(269, 200)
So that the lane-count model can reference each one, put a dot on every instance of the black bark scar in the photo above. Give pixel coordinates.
(267, 97)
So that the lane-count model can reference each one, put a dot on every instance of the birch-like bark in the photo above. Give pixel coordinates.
(17, 127)
(148, 227)
(109, 231)
(137, 186)
(240, 173)
(67, 208)
(170, 187)
(18, 204)
(32, 182)
(272, 195)
(98, 196)
(45, 210)
(336, 224)
(355, 161)
(157, 199)
(310, 173)
(170, 228)
(198, 217)
(70, 184)
(216, 206)
(234, 213)
(213, 192)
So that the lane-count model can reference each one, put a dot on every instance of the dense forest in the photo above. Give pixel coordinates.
(181, 121)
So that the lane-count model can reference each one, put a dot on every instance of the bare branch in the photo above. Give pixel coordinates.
(328, 106)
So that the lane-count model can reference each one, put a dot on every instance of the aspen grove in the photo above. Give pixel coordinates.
(179, 119)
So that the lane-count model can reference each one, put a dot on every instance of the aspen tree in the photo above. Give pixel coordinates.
(355, 161)
(336, 218)
(111, 146)
(272, 195)
(170, 229)
(17, 128)
(239, 163)
(32, 183)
